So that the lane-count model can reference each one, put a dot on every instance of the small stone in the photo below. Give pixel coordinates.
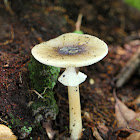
(91, 81)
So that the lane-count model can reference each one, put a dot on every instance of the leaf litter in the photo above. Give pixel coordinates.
(127, 119)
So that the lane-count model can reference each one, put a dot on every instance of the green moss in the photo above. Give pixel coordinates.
(43, 79)
(26, 129)
(48, 100)
(134, 3)
(42, 108)
(14, 120)
(42, 76)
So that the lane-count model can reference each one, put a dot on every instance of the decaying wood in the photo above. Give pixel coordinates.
(129, 69)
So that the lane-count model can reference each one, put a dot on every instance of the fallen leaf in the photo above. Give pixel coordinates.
(126, 118)
(134, 123)
(134, 136)
(6, 133)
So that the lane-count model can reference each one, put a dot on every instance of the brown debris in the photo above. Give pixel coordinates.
(95, 132)
(50, 132)
(10, 40)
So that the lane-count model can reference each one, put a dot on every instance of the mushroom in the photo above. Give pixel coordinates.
(71, 51)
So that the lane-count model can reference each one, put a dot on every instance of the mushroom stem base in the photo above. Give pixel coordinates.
(75, 112)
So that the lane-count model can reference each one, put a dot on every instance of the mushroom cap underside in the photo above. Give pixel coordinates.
(71, 50)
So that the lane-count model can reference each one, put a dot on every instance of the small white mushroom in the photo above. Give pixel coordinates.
(72, 51)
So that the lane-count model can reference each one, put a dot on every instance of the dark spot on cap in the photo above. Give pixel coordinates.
(71, 50)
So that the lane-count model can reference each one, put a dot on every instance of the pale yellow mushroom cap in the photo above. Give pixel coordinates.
(71, 50)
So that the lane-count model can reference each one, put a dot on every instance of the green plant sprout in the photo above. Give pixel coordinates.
(10, 126)
(138, 119)
(134, 3)
(26, 129)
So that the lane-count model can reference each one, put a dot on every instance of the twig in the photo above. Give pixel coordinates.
(3, 120)
(78, 23)
(133, 129)
(86, 29)
(8, 7)
(128, 70)
(37, 93)
(95, 132)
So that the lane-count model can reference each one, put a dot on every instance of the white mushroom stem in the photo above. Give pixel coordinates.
(75, 112)
(72, 79)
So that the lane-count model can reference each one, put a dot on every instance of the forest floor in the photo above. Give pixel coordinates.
(30, 23)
